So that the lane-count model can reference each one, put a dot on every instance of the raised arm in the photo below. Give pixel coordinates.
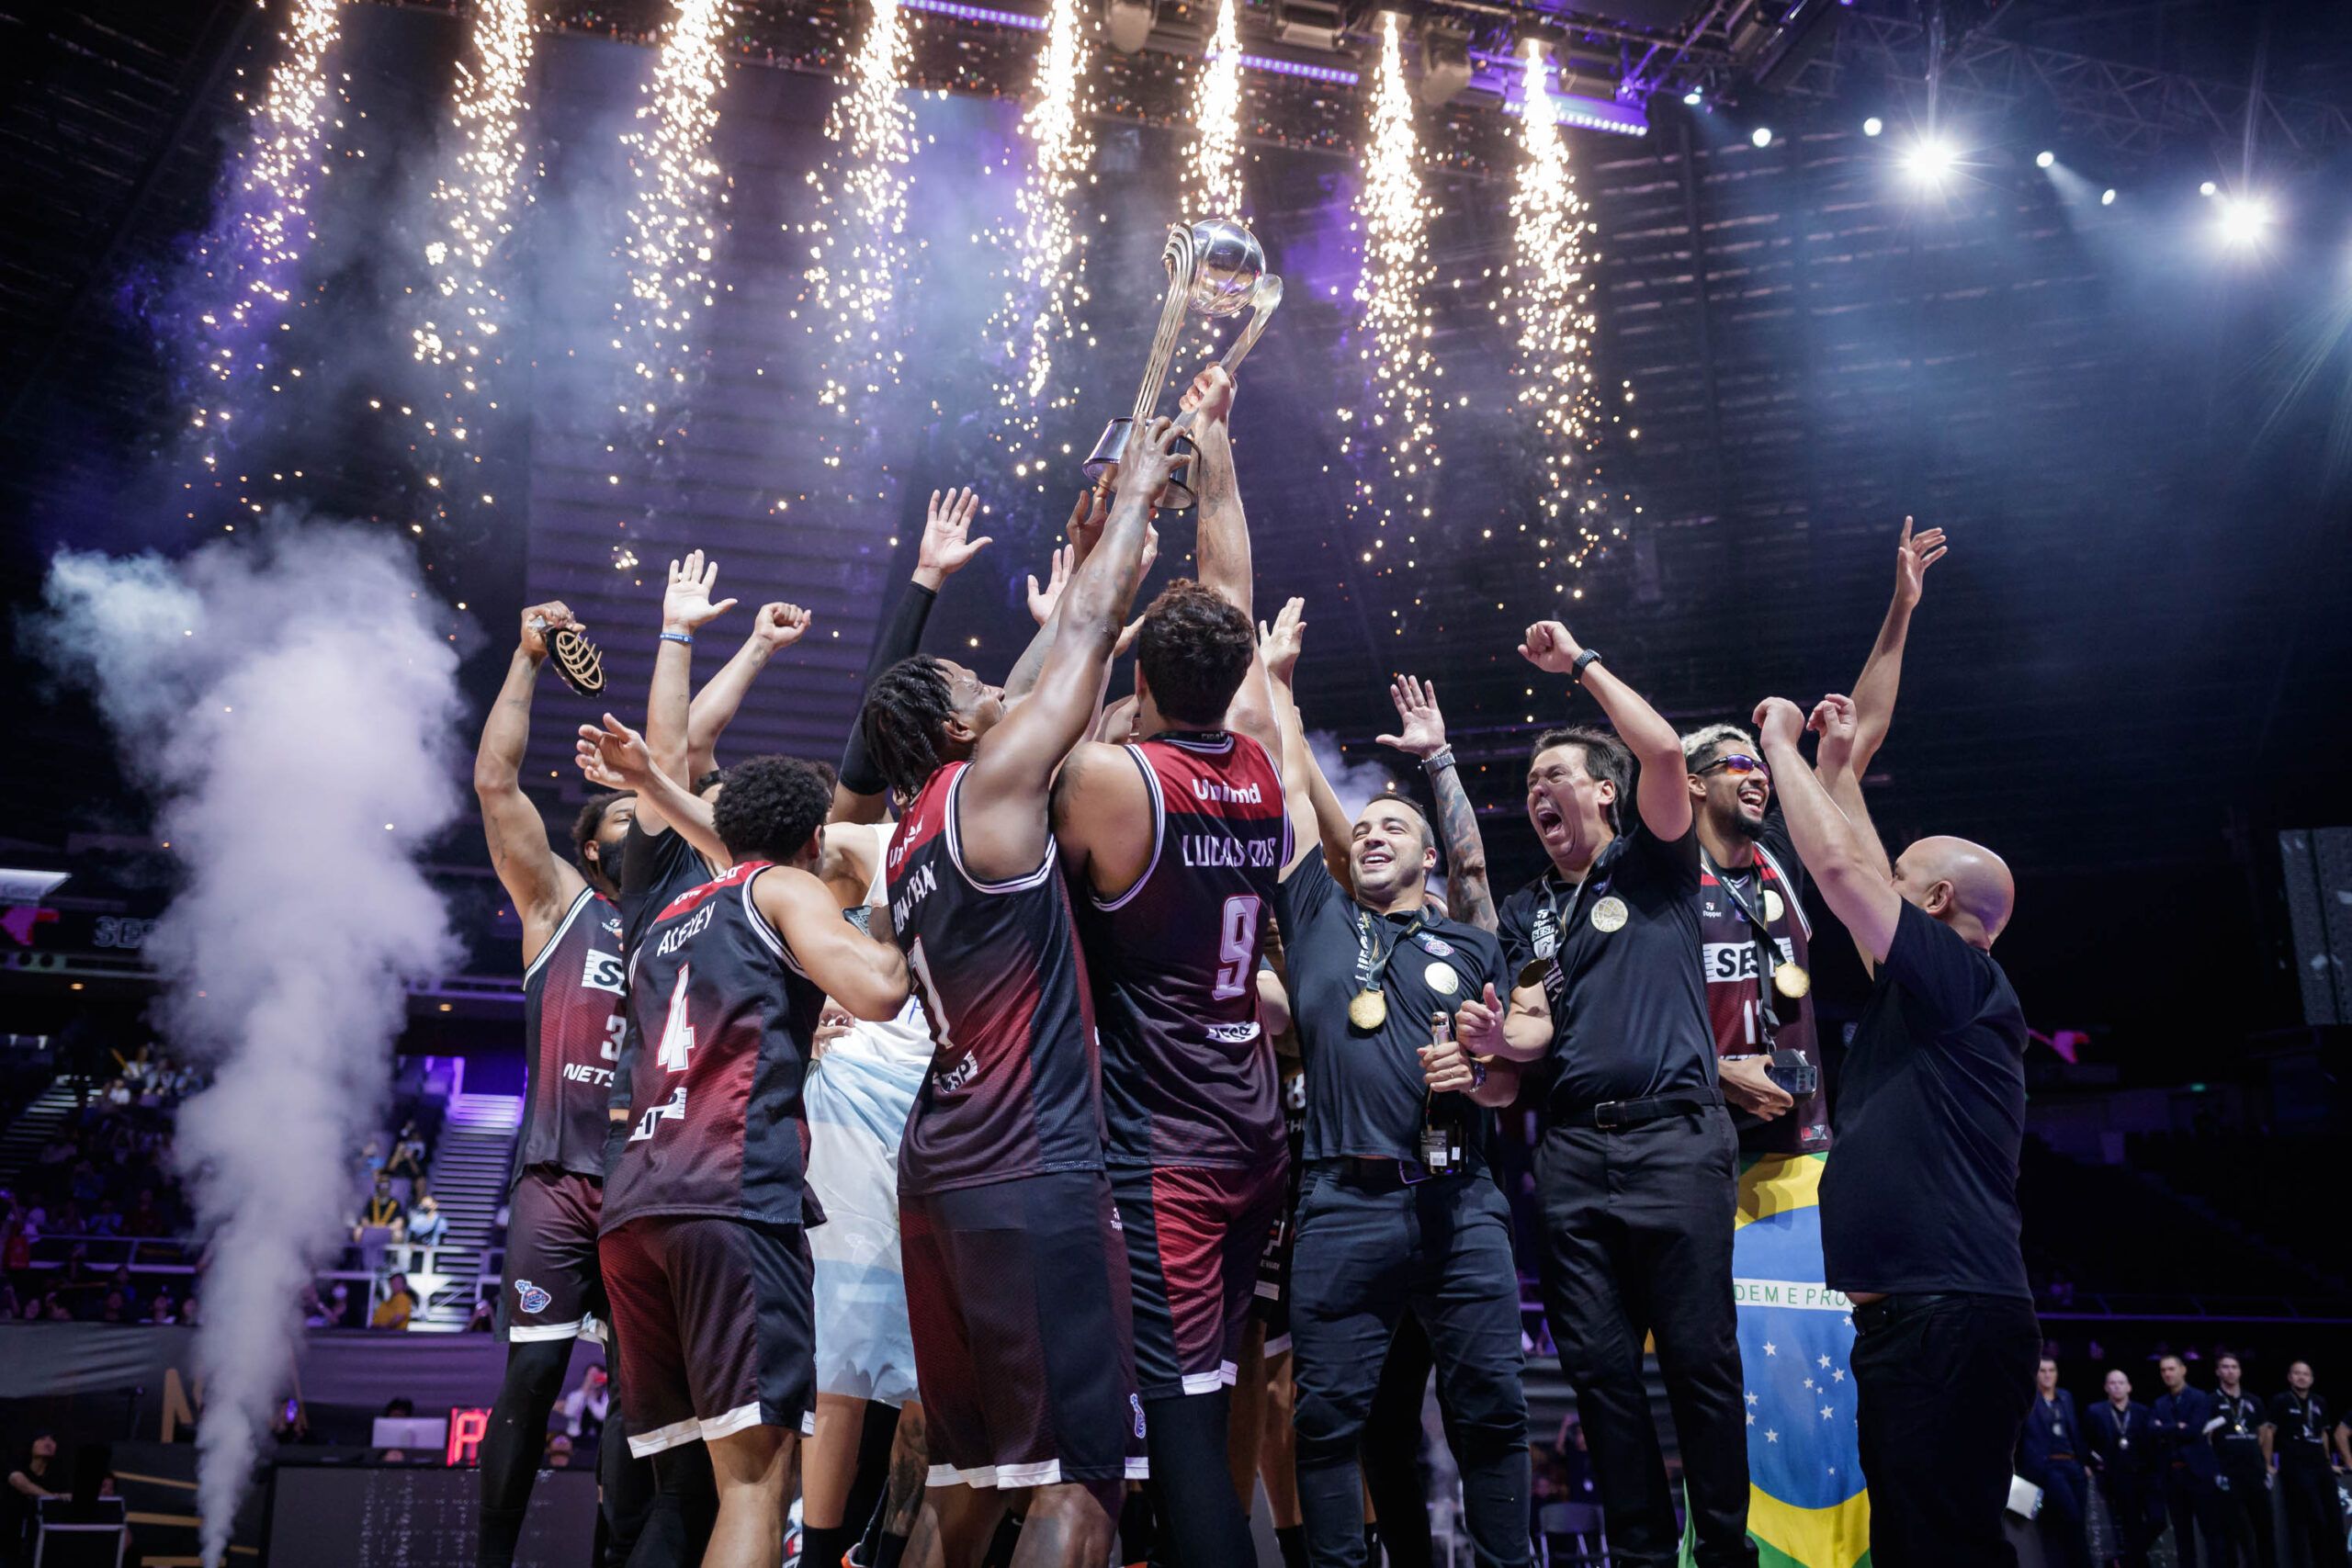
(1004, 791)
(541, 881)
(1086, 524)
(614, 756)
(1422, 732)
(776, 627)
(1832, 847)
(1834, 720)
(1874, 688)
(1663, 791)
(1222, 548)
(686, 608)
(865, 975)
(1318, 819)
(859, 792)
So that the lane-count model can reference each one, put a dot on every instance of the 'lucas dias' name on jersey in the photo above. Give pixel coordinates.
(1223, 850)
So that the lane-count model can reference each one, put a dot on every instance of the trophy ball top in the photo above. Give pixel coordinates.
(1228, 263)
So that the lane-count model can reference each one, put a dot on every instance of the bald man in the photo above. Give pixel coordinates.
(1919, 1209)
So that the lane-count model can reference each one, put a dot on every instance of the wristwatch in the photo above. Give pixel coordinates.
(1576, 670)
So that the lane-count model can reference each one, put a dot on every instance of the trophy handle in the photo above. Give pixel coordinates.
(1180, 260)
(1264, 300)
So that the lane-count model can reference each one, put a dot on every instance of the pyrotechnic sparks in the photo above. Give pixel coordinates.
(1046, 283)
(1212, 169)
(673, 230)
(1545, 294)
(249, 261)
(1394, 215)
(472, 203)
(858, 256)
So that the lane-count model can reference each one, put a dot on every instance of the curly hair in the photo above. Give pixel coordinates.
(1193, 649)
(589, 823)
(771, 806)
(906, 714)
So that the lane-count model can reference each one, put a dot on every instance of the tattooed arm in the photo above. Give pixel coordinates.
(1423, 726)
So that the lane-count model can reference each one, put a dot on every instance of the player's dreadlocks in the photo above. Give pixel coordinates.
(907, 709)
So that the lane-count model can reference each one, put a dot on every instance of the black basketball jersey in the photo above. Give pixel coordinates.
(573, 1013)
(1013, 1086)
(1188, 1073)
(720, 1017)
(1746, 1011)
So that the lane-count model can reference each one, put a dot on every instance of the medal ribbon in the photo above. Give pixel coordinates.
(1371, 959)
(1768, 952)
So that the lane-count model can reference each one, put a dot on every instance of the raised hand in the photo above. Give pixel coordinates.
(1914, 554)
(1834, 720)
(1086, 520)
(1212, 393)
(780, 625)
(1152, 459)
(1421, 726)
(1548, 646)
(686, 604)
(1280, 644)
(540, 620)
(613, 755)
(945, 549)
(1043, 600)
(1478, 1023)
(1778, 722)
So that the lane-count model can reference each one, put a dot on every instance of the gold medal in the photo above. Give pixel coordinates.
(1792, 981)
(1367, 1009)
(1531, 972)
(1773, 907)
(1610, 914)
(1440, 978)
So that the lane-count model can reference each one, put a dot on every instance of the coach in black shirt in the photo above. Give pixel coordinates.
(1638, 1168)
(1378, 1232)
(1919, 1209)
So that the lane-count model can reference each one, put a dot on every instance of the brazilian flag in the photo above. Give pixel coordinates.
(1806, 1506)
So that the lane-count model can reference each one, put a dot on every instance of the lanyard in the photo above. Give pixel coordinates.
(1371, 959)
(1768, 952)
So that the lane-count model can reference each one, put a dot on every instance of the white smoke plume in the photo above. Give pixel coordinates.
(1354, 782)
(288, 702)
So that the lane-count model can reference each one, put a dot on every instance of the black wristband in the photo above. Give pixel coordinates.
(1576, 670)
(898, 638)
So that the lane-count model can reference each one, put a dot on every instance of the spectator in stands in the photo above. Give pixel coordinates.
(16, 1247)
(371, 1156)
(584, 1409)
(188, 1314)
(383, 1207)
(2050, 1454)
(559, 1452)
(2305, 1476)
(146, 1219)
(427, 1227)
(2127, 1454)
(396, 1308)
(107, 1221)
(408, 1154)
(378, 1223)
(30, 1479)
(164, 1309)
(113, 1308)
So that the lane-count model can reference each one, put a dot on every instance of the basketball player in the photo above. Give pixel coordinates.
(573, 1017)
(1016, 1284)
(1176, 841)
(703, 1239)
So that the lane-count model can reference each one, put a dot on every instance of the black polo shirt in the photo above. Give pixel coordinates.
(1364, 1091)
(1930, 1114)
(1629, 1005)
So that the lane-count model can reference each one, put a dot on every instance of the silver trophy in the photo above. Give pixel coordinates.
(1216, 267)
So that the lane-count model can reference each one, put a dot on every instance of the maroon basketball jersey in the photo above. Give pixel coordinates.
(1736, 983)
(1188, 1074)
(1012, 1088)
(720, 1018)
(573, 1013)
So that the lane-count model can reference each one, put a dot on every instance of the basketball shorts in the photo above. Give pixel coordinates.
(1195, 1237)
(552, 1279)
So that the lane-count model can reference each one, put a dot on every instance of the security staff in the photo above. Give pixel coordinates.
(2306, 1474)
(2127, 1454)
(2192, 1472)
(2050, 1454)
(1397, 1211)
(1637, 1170)
(2241, 1441)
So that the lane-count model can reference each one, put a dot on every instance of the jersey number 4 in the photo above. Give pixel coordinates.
(1236, 946)
(678, 1030)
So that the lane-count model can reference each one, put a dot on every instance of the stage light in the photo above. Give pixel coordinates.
(1694, 98)
(2107, 196)
(1930, 158)
(2208, 189)
(1761, 136)
(2243, 219)
(2043, 159)
(1873, 126)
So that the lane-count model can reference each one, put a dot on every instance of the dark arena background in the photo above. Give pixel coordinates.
(302, 302)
